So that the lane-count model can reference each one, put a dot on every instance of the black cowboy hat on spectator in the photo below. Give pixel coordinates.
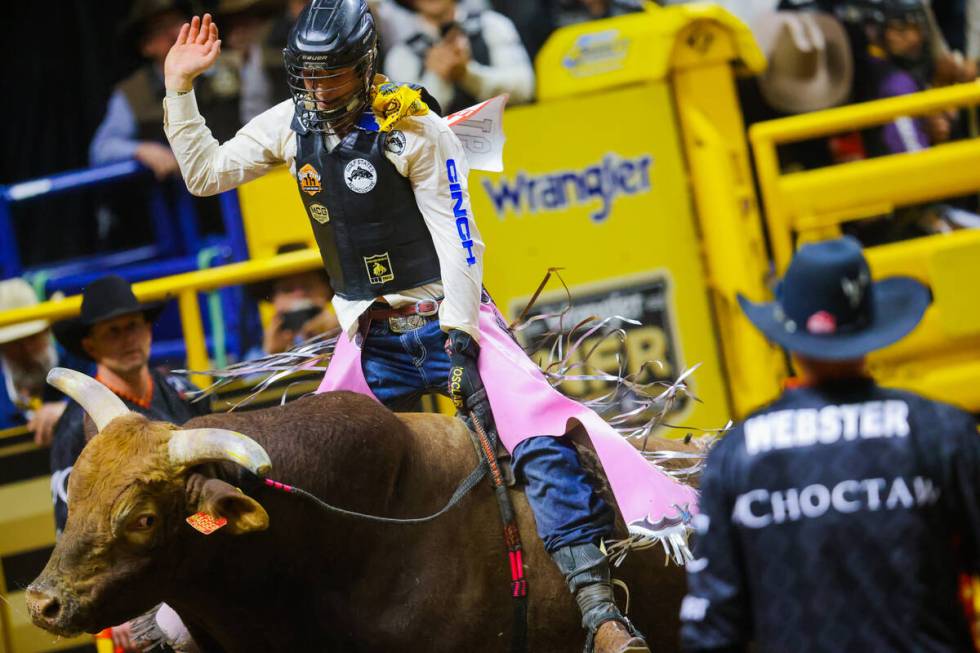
(143, 11)
(103, 299)
(262, 290)
(260, 8)
(828, 308)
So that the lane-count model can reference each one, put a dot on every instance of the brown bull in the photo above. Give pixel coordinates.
(283, 575)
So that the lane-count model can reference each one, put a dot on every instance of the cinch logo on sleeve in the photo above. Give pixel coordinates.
(459, 211)
(606, 181)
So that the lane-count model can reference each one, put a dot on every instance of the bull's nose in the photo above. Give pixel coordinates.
(44, 606)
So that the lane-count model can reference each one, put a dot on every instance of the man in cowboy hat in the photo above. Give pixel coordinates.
(114, 331)
(131, 127)
(27, 353)
(839, 517)
(810, 65)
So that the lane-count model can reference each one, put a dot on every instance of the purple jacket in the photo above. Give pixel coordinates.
(904, 134)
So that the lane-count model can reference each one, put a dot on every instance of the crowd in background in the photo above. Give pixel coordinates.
(822, 53)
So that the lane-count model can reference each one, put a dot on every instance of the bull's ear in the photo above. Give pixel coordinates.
(220, 499)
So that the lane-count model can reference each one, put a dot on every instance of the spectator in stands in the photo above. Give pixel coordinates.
(578, 11)
(301, 302)
(27, 353)
(900, 62)
(114, 332)
(462, 57)
(133, 124)
(255, 35)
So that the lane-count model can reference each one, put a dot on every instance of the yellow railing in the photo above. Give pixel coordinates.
(940, 358)
(185, 288)
(811, 204)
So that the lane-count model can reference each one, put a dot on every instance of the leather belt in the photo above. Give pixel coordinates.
(406, 318)
(423, 308)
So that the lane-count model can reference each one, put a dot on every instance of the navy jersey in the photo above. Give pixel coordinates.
(837, 519)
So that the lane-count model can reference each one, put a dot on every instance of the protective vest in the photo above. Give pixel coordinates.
(371, 234)
(217, 98)
(472, 26)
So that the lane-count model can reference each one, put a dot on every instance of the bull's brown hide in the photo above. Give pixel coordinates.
(313, 581)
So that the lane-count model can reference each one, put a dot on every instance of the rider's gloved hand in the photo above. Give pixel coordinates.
(464, 377)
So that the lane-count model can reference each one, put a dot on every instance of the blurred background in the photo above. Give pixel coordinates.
(666, 157)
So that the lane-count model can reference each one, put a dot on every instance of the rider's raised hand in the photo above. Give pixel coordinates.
(195, 50)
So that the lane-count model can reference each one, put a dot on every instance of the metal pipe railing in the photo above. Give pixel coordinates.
(185, 288)
(816, 199)
(50, 186)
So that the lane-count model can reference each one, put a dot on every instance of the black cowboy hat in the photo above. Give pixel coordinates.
(103, 299)
(828, 308)
(143, 11)
(262, 290)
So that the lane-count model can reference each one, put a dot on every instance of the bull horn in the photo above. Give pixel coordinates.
(101, 403)
(198, 446)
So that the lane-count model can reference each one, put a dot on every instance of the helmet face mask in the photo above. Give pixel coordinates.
(331, 57)
(329, 100)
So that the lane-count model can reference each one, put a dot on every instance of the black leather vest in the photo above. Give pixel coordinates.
(371, 235)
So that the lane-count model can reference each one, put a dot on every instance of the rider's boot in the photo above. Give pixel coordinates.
(586, 571)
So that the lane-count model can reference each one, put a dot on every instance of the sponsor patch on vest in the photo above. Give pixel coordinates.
(319, 213)
(379, 266)
(360, 175)
(309, 180)
(395, 142)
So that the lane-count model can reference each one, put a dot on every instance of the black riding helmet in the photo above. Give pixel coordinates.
(333, 47)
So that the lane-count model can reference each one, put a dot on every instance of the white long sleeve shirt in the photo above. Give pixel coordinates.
(267, 142)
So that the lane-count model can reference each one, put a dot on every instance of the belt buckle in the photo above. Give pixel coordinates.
(426, 307)
(405, 323)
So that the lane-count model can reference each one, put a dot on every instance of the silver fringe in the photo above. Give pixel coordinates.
(634, 409)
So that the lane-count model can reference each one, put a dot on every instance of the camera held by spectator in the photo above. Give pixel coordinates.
(461, 57)
(301, 302)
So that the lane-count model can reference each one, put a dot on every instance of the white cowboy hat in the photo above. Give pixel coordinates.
(810, 62)
(17, 293)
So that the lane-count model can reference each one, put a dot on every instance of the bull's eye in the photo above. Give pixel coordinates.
(142, 523)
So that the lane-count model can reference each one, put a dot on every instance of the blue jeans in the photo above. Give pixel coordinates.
(399, 368)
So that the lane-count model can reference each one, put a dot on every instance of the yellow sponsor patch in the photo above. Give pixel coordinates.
(379, 268)
(309, 180)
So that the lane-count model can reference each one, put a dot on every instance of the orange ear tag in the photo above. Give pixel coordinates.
(205, 523)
